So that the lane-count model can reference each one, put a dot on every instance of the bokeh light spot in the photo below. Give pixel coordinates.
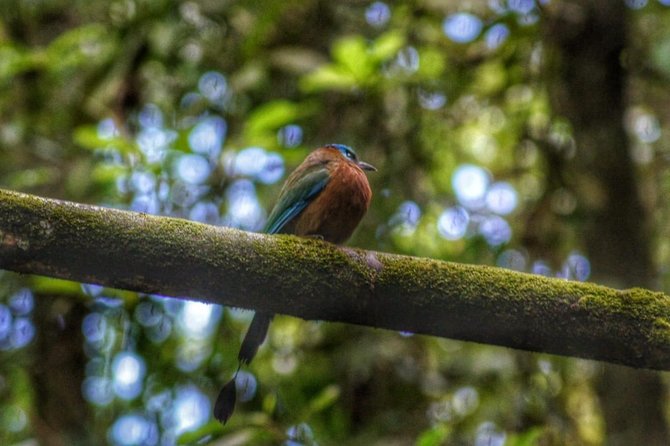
(431, 100)
(151, 117)
(249, 161)
(146, 203)
(244, 211)
(273, 169)
(23, 331)
(453, 223)
(198, 320)
(22, 302)
(107, 129)
(205, 212)
(5, 321)
(193, 169)
(521, 6)
(489, 435)
(512, 259)
(378, 14)
(246, 386)
(148, 313)
(98, 390)
(577, 267)
(541, 268)
(465, 400)
(213, 86)
(143, 181)
(501, 198)
(636, 4)
(290, 136)
(647, 128)
(191, 409)
(94, 327)
(128, 371)
(207, 137)
(496, 35)
(407, 217)
(470, 183)
(300, 434)
(462, 27)
(495, 230)
(15, 419)
(153, 143)
(407, 59)
(133, 429)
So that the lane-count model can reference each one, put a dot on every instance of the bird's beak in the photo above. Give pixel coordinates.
(366, 166)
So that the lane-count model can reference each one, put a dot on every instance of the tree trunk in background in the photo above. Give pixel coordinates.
(62, 416)
(584, 42)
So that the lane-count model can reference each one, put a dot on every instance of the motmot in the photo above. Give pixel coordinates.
(325, 197)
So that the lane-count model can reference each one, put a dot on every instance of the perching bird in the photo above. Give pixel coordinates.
(326, 197)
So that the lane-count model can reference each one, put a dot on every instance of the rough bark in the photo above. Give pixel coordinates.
(312, 279)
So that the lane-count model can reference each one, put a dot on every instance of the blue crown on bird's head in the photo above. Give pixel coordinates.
(347, 151)
(350, 154)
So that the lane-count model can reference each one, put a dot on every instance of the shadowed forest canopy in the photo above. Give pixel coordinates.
(530, 135)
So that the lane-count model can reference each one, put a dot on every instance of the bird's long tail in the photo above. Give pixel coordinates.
(225, 402)
(254, 337)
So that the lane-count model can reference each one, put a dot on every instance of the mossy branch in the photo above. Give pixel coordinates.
(316, 280)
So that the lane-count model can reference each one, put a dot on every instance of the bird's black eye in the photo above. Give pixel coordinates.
(349, 154)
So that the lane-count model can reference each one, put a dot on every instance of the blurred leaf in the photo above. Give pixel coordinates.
(328, 77)
(201, 435)
(41, 284)
(30, 178)
(434, 436)
(266, 119)
(323, 400)
(351, 53)
(432, 64)
(107, 173)
(88, 138)
(490, 78)
(79, 46)
(529, 438)
(13, 61)
(386, 46)
(356, 63)
(660, 55)
(270, 403)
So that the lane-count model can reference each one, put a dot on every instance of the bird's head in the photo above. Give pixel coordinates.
(340, 151)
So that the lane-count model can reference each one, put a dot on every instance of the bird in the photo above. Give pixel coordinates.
(325, 197)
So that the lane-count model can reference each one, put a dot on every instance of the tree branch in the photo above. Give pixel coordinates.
(311, 279)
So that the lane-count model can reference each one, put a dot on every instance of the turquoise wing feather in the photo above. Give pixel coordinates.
(296, 195)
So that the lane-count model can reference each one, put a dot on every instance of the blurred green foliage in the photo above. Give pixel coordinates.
(411, 101)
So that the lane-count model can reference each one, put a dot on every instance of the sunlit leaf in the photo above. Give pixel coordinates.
(432, 64)
(528, 438)
(271, 116)
(202, 435)
(386, 46)
(13, 61)
(78, 46)
(42, 284)
(328, 77)
(434, 436)
(490, 78)
(351, 54)
(88, 138)
(325, 399)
